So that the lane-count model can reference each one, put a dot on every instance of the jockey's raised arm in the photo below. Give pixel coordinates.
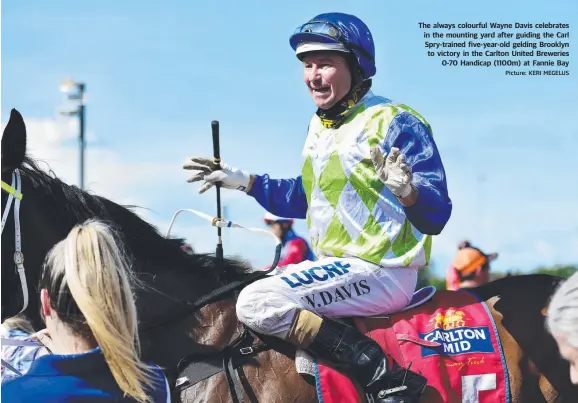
(432, 207)
(282, 197)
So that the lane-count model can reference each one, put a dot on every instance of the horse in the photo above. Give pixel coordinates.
(174, 320)
(186, 303)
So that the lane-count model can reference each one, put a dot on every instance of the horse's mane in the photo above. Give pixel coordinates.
(142, 240)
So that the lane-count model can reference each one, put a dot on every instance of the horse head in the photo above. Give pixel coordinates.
(17, 291)
(170, 276)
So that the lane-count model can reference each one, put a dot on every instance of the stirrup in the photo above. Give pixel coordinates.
(382, 394)
(392, 394)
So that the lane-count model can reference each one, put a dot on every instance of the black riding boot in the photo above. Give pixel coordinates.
(344, 345)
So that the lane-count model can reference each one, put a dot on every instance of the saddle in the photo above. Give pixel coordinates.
(450, 338)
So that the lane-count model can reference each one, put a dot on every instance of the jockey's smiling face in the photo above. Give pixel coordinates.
(327, 76)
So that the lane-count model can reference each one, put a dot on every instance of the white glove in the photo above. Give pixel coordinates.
(393, 171)
(211, 173)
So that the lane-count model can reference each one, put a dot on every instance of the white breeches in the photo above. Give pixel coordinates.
(333, 287)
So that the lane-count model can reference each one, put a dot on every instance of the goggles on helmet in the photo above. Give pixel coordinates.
(325, 31)
(322, 28)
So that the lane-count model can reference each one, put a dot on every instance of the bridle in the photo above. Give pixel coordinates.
(15, 195)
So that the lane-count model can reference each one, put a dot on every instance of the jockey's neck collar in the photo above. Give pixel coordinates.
(336, 115)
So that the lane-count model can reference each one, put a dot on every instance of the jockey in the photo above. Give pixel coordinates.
(295, 248)
(370, 218)
(470, 268)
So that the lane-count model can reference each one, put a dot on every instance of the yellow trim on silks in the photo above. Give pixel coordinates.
(11, 190)
(329, 123)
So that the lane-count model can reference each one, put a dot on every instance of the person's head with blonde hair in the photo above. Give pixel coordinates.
(562, 322)
(87, 301)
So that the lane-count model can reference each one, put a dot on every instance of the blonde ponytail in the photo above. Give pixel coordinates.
(96, 273)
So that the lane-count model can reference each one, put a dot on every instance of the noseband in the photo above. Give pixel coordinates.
(15, 195)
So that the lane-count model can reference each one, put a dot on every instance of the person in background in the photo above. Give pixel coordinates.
(295, 248)
(17, 359)
(562, 322)
(470, 268)
(88, 306)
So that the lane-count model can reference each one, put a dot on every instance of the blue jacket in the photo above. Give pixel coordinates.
(75, 378)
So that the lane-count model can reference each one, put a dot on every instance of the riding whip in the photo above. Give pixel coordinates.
(220, 223)
(217, 161)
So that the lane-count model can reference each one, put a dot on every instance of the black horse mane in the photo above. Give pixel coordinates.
(141, 239)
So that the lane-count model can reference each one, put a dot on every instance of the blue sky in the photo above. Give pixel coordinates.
(158, 73)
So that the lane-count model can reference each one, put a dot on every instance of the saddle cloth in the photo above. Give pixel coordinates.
(451, 339)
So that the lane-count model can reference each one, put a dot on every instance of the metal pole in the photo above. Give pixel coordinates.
(82, 121)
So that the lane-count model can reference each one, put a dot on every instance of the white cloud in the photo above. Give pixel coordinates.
(53, 144)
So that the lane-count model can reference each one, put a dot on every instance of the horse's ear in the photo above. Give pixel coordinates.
(14, 141)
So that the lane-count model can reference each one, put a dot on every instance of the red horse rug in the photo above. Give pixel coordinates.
(451, 339)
